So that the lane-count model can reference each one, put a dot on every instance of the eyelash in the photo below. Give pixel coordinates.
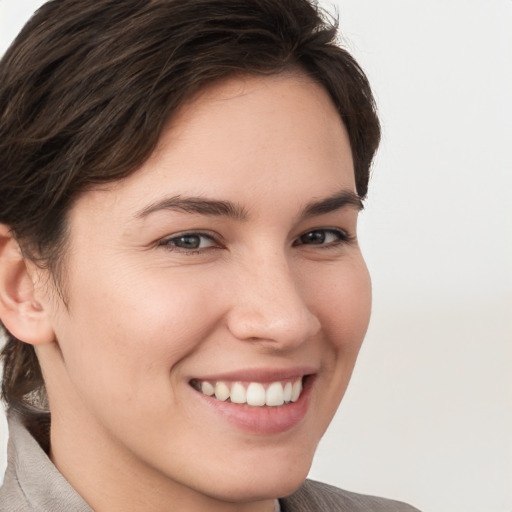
(169, 244)
(342, 237)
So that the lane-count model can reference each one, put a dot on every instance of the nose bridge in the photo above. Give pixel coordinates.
(269, 303)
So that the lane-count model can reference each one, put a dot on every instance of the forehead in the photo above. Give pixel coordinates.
(256, 103)
(274, 132)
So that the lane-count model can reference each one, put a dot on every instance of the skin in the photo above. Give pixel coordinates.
(145, 316)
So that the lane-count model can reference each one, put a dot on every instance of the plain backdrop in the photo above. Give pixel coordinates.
(428, 415)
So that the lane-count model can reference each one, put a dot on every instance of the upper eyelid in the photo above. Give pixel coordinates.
(332, 229)
(193, 232)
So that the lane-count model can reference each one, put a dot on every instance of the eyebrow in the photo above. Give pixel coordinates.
(197, 205)
(213, 207)
(342, 199)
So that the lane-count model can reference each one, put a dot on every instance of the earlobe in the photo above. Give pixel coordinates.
(20, 311)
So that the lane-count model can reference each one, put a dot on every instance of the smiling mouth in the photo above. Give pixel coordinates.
(255, 394)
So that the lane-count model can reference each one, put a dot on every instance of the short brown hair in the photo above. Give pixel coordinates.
(88, 86)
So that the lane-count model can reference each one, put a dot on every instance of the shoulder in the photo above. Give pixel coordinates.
(12, 497)
(312, 496)
(32, 482)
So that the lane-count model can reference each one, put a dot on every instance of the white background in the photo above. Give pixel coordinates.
(428, 416)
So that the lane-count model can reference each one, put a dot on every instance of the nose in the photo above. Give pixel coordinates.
(269, 305)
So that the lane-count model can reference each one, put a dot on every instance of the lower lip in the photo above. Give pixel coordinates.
(266, 419)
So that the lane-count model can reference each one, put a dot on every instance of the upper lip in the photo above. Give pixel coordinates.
(259, 374)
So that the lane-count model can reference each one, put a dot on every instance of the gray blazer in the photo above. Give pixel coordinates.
(315, 496)
(32, 483)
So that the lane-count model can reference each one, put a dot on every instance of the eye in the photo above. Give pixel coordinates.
(192, 242)
(323, 237)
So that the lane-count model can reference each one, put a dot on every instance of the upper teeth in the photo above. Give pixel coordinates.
(253, 393)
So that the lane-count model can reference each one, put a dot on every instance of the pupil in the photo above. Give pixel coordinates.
(189, 242)
(314, 237)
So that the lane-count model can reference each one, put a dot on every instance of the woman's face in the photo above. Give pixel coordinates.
(227, 263)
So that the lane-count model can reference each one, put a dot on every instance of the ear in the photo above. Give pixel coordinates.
(21, 313)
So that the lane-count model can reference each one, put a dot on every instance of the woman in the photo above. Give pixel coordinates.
(180, 281)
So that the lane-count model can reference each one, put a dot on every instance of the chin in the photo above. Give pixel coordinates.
(257, 490)
(253, 484)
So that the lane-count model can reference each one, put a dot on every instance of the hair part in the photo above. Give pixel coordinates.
(88, 86)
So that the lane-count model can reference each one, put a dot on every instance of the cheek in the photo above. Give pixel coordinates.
(121, 339)
(343, 303)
